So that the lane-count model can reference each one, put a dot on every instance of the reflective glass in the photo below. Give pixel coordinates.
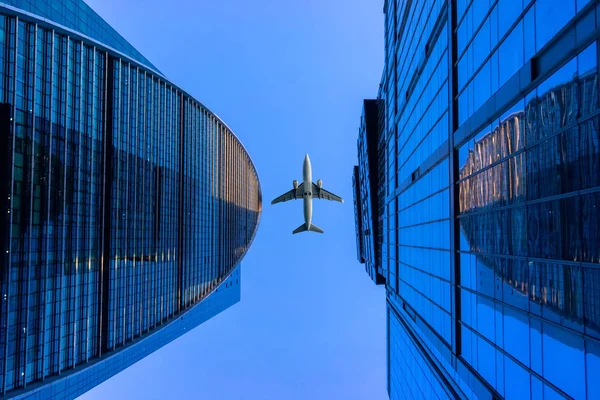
(511, 54)
(98, 253)
(550, 17)
(564, 348)
(523, 285)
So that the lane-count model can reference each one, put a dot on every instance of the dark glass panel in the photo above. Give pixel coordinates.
(570, 151)
(514, 283)
(587, 71)
(485, 275)
(590, 225)
(570, 229)
(589, 153)
(558, 99)
(562, 295)
(543, 169)
(591, 301)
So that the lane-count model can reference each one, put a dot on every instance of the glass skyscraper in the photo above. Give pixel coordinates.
(126, 206)
(482, 172)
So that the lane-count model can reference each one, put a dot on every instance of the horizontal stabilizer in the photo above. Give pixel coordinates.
(314, 228)
(302, 228)
(299, 229)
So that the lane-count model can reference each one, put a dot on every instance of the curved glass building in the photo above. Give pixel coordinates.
(126, 206)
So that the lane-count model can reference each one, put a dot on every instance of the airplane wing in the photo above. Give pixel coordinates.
(291, 195)
(320, 193)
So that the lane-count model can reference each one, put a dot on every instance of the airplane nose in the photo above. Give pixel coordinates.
(306, 157)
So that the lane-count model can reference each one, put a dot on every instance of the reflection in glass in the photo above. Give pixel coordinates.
(120, 181)
(519, 197)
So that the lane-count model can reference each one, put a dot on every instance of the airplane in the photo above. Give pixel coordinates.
(307, 190)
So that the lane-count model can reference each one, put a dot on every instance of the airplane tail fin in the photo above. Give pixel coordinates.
(302, 228)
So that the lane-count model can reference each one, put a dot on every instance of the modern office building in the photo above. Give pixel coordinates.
(488, 169)
(126, 206)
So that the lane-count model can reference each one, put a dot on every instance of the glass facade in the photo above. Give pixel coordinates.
(126, 204)
(490, 224)
(96, 371)
(78, 17)
(366, 192)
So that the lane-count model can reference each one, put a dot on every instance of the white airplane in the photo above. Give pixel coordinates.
(306, 191)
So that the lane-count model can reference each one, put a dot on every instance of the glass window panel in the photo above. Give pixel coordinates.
(465, 68)
(591, 227)
(581, 4)
(465, 270)
(461, 6)
(588, 80)
(535, 341)
(511, 54)
(564, 348)
(482, 83)
(467, 344)
(515, 284)
(587, 60)
(517, 380)
(557, 101)
(592, 361)
(591, 300)
(551, 394)
(516, 330)
(529, 33)
(478, 10)
(550, 17)
(463, 107)
(495, 72)
(481, 44)
(468, 315)
(508, 11)
(485, 317)
(589, 157)
(486, 360)
(537, 388)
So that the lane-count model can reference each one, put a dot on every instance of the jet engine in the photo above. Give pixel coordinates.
(319, 183)
(295, 184)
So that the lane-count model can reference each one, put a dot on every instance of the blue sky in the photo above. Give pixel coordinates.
(289, 78)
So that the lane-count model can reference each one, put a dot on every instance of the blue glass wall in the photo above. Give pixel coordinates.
(491, 240)
(85, 377)
(124, 201)
(76, 15)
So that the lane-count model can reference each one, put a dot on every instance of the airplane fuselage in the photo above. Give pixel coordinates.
(307, 193)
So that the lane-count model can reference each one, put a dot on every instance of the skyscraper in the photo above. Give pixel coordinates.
(486, 157)
(126, 205)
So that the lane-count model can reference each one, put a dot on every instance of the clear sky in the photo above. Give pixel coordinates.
(289, 77)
